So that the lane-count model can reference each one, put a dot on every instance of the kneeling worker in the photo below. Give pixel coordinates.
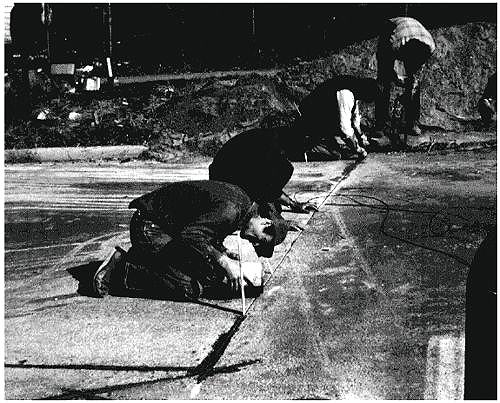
(177, 236)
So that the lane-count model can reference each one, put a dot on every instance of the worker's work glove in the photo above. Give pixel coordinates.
(305, 207)
(364, 141)
(361, 155)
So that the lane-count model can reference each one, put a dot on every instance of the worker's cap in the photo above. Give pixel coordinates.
(278, 230)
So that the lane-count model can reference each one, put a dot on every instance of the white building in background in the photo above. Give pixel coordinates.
(8, 6)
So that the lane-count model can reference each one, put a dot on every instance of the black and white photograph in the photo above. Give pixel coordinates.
(250, 201)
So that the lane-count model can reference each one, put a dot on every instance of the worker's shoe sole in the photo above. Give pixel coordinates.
(102, 277)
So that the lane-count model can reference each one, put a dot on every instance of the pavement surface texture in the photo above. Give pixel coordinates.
(368, 301)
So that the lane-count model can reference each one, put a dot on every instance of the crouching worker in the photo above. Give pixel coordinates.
(177, 234)
(256, 161)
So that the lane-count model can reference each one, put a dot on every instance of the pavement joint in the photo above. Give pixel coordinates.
(204, 369)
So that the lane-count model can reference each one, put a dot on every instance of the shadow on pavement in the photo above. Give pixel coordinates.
(96, 393)
(141, 368)
(84, 274)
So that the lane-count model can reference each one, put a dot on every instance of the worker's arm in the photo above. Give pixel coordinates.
(356, 118)
(214, 258)
(295, 206)
(231, 268)
(204, 235)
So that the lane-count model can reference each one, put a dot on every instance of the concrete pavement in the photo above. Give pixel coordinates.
(367, 302)
(60, 221)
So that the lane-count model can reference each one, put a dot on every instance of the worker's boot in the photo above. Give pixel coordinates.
(412, 111)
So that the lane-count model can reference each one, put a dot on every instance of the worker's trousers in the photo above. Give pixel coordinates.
(413, 55)
(161, 266)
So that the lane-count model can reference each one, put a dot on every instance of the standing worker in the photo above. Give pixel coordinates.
(405, 41)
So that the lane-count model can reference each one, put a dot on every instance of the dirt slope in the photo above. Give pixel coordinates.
(452, 80)
(199, 115)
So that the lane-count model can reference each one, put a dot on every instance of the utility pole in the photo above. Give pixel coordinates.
(46, 20)
(109, 41)
(255, 44)
(110, 32)
(253, 23)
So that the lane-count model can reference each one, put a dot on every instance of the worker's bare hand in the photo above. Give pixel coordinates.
(365, 143)
(233, 275)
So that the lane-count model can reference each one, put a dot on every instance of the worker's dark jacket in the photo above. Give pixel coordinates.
(200, 214)
(255, 161)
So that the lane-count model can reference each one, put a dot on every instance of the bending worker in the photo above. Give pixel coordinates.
(257, 161)
(332, 109)
(177, 235)
(407, 43)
